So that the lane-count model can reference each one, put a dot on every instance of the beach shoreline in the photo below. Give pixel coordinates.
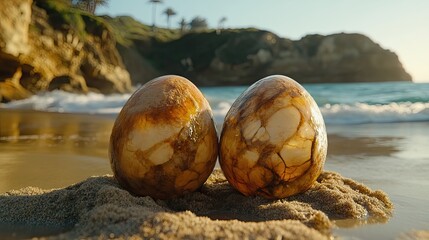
(372, 154)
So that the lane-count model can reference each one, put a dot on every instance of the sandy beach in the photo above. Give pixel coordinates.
(99, 207)
(374, 187)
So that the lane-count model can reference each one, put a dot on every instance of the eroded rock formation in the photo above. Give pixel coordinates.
(241, 57)
(39, 51)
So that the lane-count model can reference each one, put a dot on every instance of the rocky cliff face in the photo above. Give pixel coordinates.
(40, 50)
(337, 58)
(46, 45)
(241, 57)
(13, 44)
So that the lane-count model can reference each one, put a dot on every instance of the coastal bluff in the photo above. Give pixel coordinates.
(47, 45)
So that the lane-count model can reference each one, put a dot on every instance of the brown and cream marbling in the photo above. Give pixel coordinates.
(164, 141)
(273, 141)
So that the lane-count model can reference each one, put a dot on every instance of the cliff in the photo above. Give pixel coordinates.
(46, 45)
(239, 57)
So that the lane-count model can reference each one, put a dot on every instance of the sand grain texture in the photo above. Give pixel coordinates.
(99, 208)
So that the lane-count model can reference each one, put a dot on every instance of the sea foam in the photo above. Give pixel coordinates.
(359, 113)
(60, 101)
(339, 113)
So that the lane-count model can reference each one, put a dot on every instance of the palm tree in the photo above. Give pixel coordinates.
(222, 22)
(154, 2)
(169, 12)
(183, 25)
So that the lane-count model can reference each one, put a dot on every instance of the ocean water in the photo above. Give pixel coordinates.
(352, 103)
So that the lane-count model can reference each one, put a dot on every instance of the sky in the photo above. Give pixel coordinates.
(401, 26)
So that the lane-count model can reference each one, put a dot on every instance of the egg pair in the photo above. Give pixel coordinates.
(164, 142)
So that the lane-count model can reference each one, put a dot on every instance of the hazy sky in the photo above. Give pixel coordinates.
(399, 25)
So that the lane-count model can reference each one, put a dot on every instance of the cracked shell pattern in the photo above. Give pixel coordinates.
(164, 142)
(273, 141)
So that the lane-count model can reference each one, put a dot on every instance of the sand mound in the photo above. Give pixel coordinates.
(99, 207)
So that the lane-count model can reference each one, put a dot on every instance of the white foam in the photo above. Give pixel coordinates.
(220, 110)
(60, 101)
(359, 113)
(355, 113)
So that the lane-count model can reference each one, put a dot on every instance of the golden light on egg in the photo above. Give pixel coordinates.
(164, 142)
(273, 142)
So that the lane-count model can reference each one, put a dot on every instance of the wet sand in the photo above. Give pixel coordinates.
(53, 150)
(392, 157)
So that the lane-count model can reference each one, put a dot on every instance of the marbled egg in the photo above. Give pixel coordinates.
(164, 142)
(273, 142)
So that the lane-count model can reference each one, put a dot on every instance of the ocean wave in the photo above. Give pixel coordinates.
(220, 110)
(341, 113)
(60, 101)
(360, 113)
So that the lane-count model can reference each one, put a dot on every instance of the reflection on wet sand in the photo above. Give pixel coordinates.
(17, 125)
(352, 223)
(51, 150)
(365, 146)
(394, 159)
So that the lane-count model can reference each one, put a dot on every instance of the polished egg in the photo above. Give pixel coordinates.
(164, 142)
(273, 142)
